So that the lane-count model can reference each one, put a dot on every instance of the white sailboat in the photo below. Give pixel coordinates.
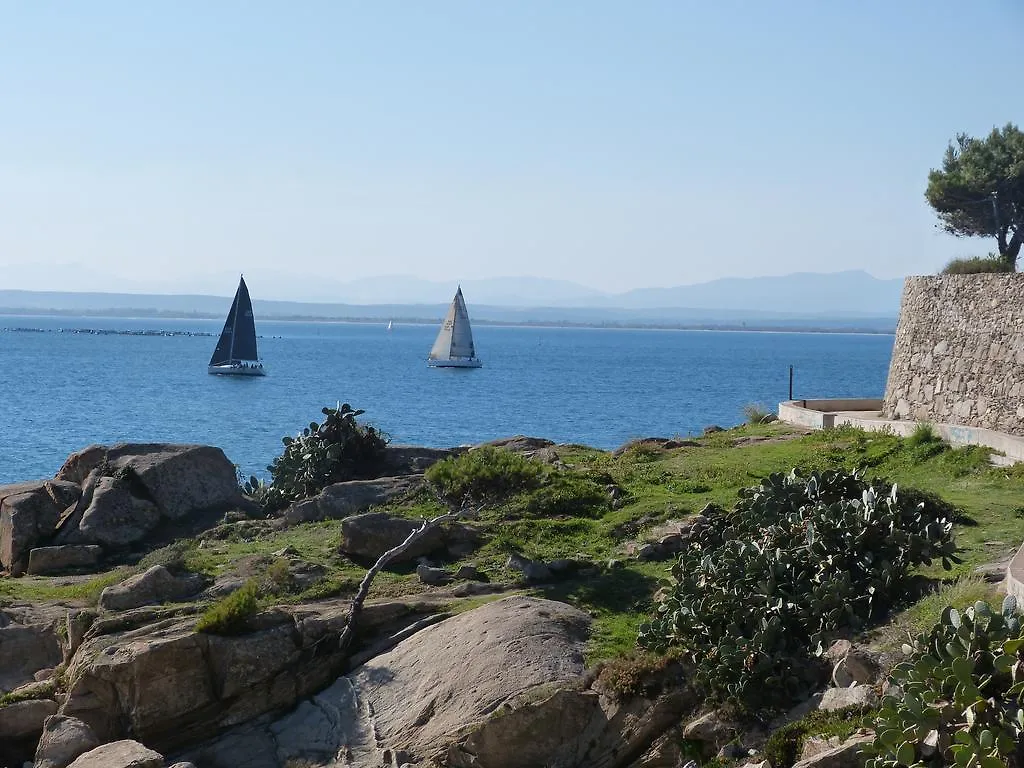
(389, 325)
(236, 353)
(454, 345)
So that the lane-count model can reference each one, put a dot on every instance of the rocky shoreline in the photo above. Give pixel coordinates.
(465, 671)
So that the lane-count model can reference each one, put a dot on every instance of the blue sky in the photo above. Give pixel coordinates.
(616, 144)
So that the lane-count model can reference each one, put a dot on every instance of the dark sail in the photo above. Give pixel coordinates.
(245, 326)
(222, 354)
(238, 339)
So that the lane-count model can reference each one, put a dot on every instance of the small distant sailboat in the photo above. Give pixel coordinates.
(390, 325)
(236, 353)
(454, 345)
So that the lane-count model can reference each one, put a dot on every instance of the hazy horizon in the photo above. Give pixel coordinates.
(618, 146)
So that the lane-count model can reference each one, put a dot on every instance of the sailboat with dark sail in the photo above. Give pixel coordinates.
(236, 353)
(454, 345)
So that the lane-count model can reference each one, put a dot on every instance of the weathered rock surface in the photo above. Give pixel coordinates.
(114, 518)
(120, 754)
(661, 443)
(342, 500)
(518, 443)
(840, 698)
(370, 535)
(169, 686)
(156, 585)
(24, 718)
(179, 479)
(63, 739)
(432, 576)
(47, 560)
(26, 648)
(423, 694)
(28, 515)
(413, 459)
(846, 755)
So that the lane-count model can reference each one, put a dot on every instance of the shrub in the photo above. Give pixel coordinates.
(977, 265)
(756, 414)
(923, 434)
(758, 590)
(484, 474)
(230, 615)
(334, 451)
(961, 694)
(563, 493)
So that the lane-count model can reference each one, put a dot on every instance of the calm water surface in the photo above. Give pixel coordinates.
(62, 391)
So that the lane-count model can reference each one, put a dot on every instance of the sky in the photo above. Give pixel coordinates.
(166, 146)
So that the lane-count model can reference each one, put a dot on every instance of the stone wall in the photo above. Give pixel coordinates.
(959, 352)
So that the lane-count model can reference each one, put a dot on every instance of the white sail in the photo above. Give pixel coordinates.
(455, 339)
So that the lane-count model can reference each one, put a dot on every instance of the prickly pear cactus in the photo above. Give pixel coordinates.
(959, 694)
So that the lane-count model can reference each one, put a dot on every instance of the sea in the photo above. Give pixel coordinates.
(68, 382)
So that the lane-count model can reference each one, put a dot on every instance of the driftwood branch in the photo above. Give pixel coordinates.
(348, 633)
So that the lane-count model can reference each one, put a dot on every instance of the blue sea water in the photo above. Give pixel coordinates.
(60, 391)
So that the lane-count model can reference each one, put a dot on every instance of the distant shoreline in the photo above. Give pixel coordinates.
(142, 314)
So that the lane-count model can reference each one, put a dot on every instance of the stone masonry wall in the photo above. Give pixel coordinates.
(959, 352)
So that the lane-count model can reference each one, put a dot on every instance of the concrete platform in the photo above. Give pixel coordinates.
(867, 414)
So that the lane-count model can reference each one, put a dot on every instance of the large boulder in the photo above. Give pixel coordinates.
(24, 718)
(370, 535)
(518, 443)
(28, 514)
(179, 479)
(44, 560)
(156, 585)
(413, 459)
(120, 754)
(63, 739)
(424, 693)
(342, 500)
(26, 648)
(170, 686)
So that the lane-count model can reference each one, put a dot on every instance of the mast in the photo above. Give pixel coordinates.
(234, 318)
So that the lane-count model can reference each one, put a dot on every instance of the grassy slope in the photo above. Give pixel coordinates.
(661, 486)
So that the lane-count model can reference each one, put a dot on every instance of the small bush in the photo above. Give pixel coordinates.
(485, 474)
(567, 494)
(640, 674)
(923, 434)
(279, 575)
(961, 694)
(782, 750)
(758, 589)
(230, 615)
(756, 414)
(977, 265)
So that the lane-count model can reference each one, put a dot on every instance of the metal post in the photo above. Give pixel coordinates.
(791, 382)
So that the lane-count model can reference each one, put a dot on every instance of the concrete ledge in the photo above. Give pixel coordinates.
(1014, 583)
(866, 414)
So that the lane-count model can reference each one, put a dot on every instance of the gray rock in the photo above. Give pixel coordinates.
(24, 718)
(114, 518)
(534, 572)
(432, 576)
(63, 739)
(44, 560)
(846, 755)
(24, 650)
(156, 585)
(413, 459)
(650, 552)
(712, 730)
(179, 479)
(841, 698)
(342, 500)
(856, 667)
(469, 573)
(120, 754)
(372, 534)
(28, 514)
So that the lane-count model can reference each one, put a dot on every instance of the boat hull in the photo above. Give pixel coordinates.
(455, 362)
(228, 369)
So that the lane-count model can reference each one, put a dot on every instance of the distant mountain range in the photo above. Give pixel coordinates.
(839, 299)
